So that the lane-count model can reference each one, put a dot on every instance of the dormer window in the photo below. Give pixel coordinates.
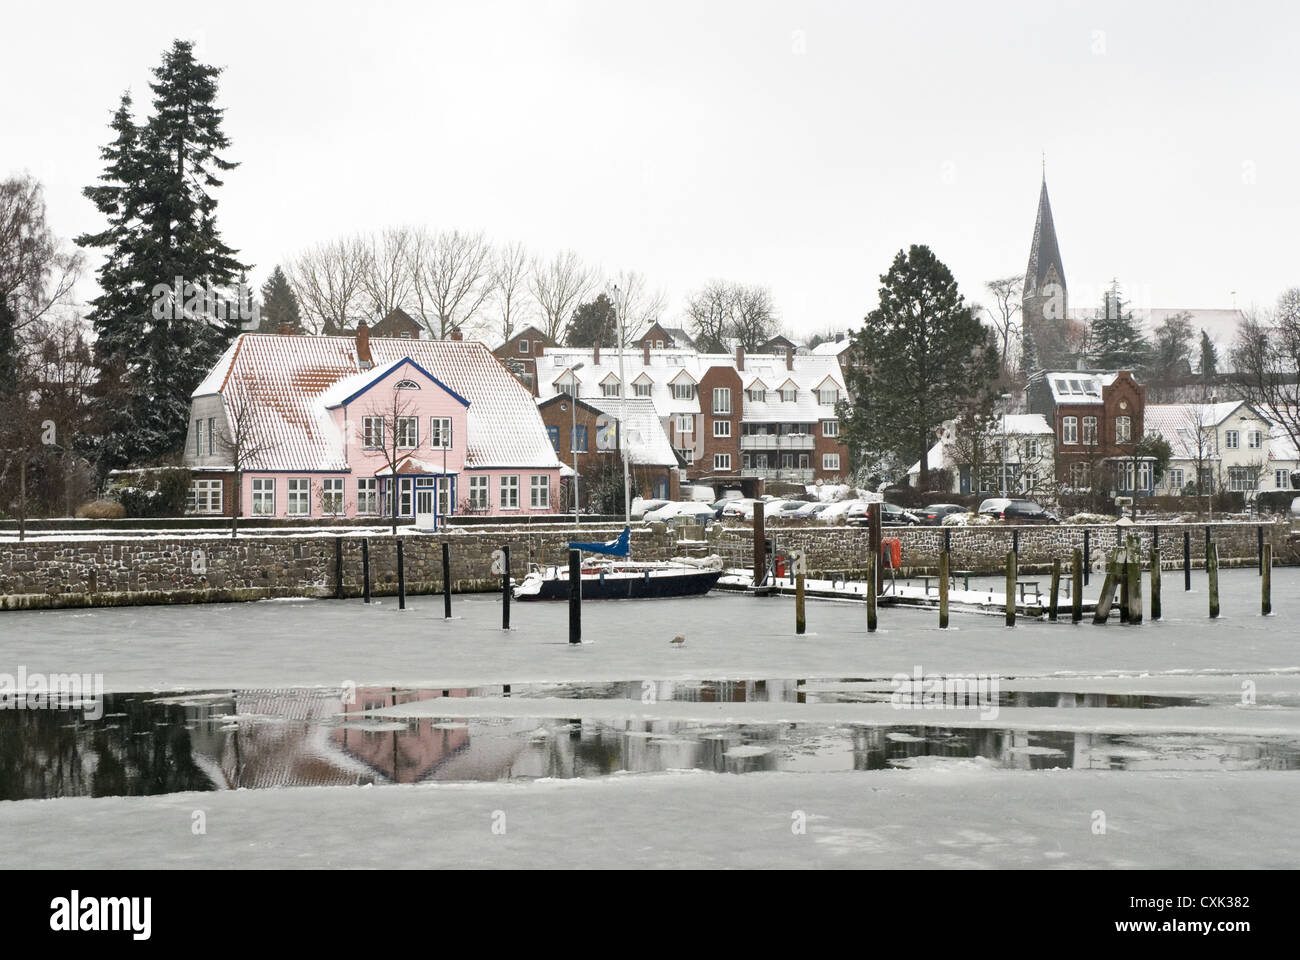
(789, 394)
(525, 346)
(611, 388)
(683, 391)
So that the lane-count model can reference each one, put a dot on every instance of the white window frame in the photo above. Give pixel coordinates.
(757, 396)
(402, 428)
(642, 389)
(722, 461)
(367, 495)
(480, 492)
(212, 429)
(722, 400)
(685, 423)
(298, 497)
(1254, 439)
(1282, 479)
(1232, 439)
(1123, 429)
(369, 439)
(332, 497)
(1238, 478)
(722, 428)
(1070, 430)
(263, 489)
(612, 389)
(789, 396)
(1089, 434)
(509, 488)
(206, 497)
(833, 394)
(539, 491)
(1176, 478)
(683, 391)
(440, 439)
(830, 461)
(525, 346)
(830, 428)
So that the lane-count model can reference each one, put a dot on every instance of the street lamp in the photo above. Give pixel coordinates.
(1006, 399)
(573, 432)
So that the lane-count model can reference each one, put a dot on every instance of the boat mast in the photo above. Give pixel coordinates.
(622, 403)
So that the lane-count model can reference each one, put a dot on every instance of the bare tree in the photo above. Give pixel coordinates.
(708, 311)
(242, 441)
(1266, 363)
(35, 271)
(393, 414)
(1003, 315)
(387, 278)
(330, 282)
(558, 285)
(451, 275)
(510, 279)
(636, 305)
(753, 315)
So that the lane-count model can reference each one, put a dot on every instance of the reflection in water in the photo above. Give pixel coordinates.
(145, 744)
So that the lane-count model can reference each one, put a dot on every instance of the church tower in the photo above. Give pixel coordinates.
(1044, 301)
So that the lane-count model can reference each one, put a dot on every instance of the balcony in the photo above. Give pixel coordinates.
(789, 474)
(787, 441)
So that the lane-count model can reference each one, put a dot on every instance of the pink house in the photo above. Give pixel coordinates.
(335, 426)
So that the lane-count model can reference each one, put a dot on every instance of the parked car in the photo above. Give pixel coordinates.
(640, 507)
(891, 515)
(1016, 511)
(741, 508)
(838, 511)
(932, 516)
(784, 509)
(810, 511)
(688, 511)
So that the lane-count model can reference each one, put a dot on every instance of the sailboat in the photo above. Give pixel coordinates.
(626, 579)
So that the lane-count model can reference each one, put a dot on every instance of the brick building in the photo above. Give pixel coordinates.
(519, 355)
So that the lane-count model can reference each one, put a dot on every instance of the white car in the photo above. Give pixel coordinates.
(741, 508)
(784, 509)
(838, 511)
(640, 506)
(682, 512)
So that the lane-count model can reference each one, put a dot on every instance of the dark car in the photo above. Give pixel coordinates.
(890, 516)
(932, 516)
(1016, 511)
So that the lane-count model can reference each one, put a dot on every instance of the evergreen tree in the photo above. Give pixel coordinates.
(916, 353)
(156, 193)
(1209, 367)
(279, 305)
(594, 321)
(1116, 343)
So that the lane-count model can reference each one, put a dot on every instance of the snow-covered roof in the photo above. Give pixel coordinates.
(1077, 386)
(1017, 425)
(289, 383)
(644, 438)
(1179, 424)
(831, 348)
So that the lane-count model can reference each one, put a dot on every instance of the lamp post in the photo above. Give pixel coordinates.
(1005, 398)
(573, 433)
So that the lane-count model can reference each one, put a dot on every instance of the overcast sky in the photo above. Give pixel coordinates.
(796, 145)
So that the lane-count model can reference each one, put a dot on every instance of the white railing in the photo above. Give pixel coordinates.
(788, 441)
(792, 474)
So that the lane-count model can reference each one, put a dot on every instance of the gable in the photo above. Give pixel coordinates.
(378, 376)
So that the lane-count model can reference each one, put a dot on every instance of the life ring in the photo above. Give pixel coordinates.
(891, 551)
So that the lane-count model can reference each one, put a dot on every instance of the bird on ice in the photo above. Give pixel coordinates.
(678, 640)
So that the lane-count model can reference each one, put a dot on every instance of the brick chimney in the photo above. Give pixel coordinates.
(645, 351)
(285, 330)
(456, 334)
(364, 359)
(789, 358)
(595, 353)
(740, 357)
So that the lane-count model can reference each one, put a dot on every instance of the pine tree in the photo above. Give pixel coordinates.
(280, 305)
(594, 321)
(1209, 358)
(156, 192)
(1116, 341)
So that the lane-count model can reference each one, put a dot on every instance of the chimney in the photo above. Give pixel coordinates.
(645, 351)
(456, 334)
(363, 346)
(740, 357)
(595, 353)
(789, 358)
(285, 330)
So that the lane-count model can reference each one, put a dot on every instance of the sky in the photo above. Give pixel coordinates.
(797, 146)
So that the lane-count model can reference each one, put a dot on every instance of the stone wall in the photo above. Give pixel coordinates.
(196, 569)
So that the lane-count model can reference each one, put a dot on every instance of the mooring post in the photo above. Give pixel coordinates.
(1015, 541)
(1187, 560)
(401, 578)
(1155, 582)
(1107, 596)
(1087, 556)
(1135, 580)
(873, 541)
(338, 568)
(1123, 580)
(944, 565)
(505, 587)
(1076, 593)
(575, 597)
(365, 569)
(1212, 571)
(947, 539)
(800, 624)
(1266, 579)
(871, 593)
(1259, 544)
(760, 545)
(446, 581)
(1056, 589)
(1011, 588)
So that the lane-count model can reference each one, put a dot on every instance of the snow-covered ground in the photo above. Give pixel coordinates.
(959, 813)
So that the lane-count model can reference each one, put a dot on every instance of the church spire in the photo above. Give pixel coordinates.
(1044, 253)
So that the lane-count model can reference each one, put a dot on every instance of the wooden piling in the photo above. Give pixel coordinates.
(446, 582)
(575, 596)
(505, 588)
(1107, 596)
(872, 563)
(1122, 579)
(1087, 557)
(800, 623)
(1187, 560)
(873, 542)
(338, 568)
(1056, 590)
(944, 566)
(401, 578)
(760, 545)
(1011, 588)
(365, 569)
(1212, 572)
(1155, 583)
(1135, 581)
(1259, 547)
(1076, 591)
(1266, 579)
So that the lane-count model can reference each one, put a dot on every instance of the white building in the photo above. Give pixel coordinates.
(1228, 446)
(1018, 446)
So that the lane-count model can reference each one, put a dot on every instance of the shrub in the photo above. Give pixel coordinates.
(151, 492)
(1090, 518)
(101, 510)
(1276, 501)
